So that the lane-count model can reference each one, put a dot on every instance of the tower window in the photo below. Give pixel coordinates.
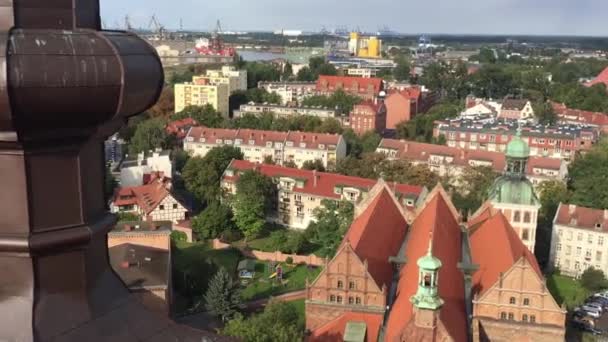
(332, 298)
(351, 285)
(511, 316)
(358, 300)
(503, 315)
(527, 217)
(526, 301)
(512, 300)
(532, 319)
(517, 216)
(524, 318)
(340, 284)
(339, 299)
(525, 235)
(351, 300)
(427, 280)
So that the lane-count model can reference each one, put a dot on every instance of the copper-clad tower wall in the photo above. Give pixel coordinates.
(65, 85)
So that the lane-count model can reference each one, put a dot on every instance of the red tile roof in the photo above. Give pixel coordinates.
(438, 218)
(377, 234)
(413, 93)
(260, 138)
(333, 331)
(422, 152)
(366, 108)
(180, 127)
(580, 116)
(325, 183)
(601, 78)
(147, 197)
(495, 247)
(581, 217)
(347, 82)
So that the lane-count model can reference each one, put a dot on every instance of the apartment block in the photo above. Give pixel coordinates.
(290, 92)
(257, 145)
(201, 92)
(284, 111)
(366, 88)
(229, 75)
(133, 171)
(300, 192)
(579, 239)
(368, 117)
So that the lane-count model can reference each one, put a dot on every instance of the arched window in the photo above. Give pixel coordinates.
(503, 315)
(351, 300)
(524, 318)
(340, 284)
(512, 300)
(427, 280)
(351, 285)
(526, 301)
(339, 299)
(532, 319)
(511, 315)
(358, 300)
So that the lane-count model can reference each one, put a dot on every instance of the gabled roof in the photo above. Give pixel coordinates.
(581, 217)
(377, 234)
(411, 93)
(514, 104)
(179, 127)
(495, 247)
(601, 78)
(580, 116)
(437, 219)
(147, 197)
(333, 331)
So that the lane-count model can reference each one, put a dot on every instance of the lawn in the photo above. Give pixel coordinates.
(566, 290)
(193, 266)
(294, 279)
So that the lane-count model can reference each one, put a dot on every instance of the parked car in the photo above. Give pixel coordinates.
(598, 306)
(599, 300)
(602, 294)
(591, 311)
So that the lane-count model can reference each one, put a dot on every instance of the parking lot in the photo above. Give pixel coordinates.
(600, 325)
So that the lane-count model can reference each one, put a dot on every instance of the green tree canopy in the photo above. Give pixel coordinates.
(339, 100)
(332, 220)
(402, 71)
(213, 221)
(589, 177)
(202, 176)
(205, 115)
(316, 164)
(254, 200)
(223, 296)
(280, 322)
(593, 280)
(149, 135)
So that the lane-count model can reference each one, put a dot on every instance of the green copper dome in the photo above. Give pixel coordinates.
(513, 191)
(429, 262)
(517, 147)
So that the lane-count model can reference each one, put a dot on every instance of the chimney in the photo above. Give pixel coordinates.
(406, 146)
(605, 214)
(314, 138)
(571, 209)
(314, 178)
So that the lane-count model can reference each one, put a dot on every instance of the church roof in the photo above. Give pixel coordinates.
(517, 147)
(507, 189)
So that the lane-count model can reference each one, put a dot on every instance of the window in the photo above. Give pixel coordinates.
(559, 247)
(579, 237)
(525, 235)
(339, 299)
(358, 300)
(568, 250)
(161, 207)
(560, 232)
(512, 300)
(351, 285)
(577, 265)
(600, 240)
(340, 284)
(532, 319)
(579, 250)
(589, 238)
(598, 256)
(503, 315)
(511, 316)
(174, 205)
(332, 298)
(524, 318)
(526, 301)
(351, 300)
(517, 216)
(569, 236)
(527, 217)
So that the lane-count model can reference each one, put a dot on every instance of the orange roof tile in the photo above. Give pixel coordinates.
(377, 234)
(495, 247)
(147, 197)
(438, 219)
(413, 93)
(180, 127)
(333, 331)
(601, 78)
(581, 217)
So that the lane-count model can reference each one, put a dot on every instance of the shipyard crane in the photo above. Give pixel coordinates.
(157, 28)
(127, 25)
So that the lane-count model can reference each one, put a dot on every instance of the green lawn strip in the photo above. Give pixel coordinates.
(567, 290)
(294, 279)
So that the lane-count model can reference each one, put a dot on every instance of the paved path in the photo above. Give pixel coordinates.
(286, 297)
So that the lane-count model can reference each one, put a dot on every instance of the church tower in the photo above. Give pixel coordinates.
(514, 194)
(426, 301)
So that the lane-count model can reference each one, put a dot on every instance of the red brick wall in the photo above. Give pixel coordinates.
(398, 109)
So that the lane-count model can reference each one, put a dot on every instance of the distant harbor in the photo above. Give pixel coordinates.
(296, 57)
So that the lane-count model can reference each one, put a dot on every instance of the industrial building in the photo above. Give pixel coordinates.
(364, 47)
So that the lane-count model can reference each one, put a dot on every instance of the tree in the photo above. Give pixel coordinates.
(551, 194)
(290, 164)
(544, 113)
(127, 217)
(402, 71)
(593, 280)
(473, 186)
(180, 158)
(305, 75)
(177, 236)
(148, 136)
(316, 164)
(165, 105)
(253, 202)
(589, 177)
(213, 221)
(286, 324)
(332, 220)
(268, 160)
(287, 71)
(202, 176)
(205, 115)
(223, 297)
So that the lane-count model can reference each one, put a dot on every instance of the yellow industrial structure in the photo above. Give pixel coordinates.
(364, 47)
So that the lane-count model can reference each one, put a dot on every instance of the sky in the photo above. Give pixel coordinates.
(537, 17)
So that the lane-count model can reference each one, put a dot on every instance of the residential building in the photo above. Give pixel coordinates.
(560, 141)
(516, 109)
(300, 192)
(403, 105)
(366, 88)
(354, 286)
(513, 194)
(281, 147)
(146, 272)
(452, 161)
(142, 233)
(576, 116)
(510, 299)
(479, 110)
(152, 202)
(229, 75)
(362, 72)
(429, 301)
(290, 92)
(579, 239)
(280, 111)
(180, 128)
(602, 78)
(368, 117)
(201, 93)
(133, 171)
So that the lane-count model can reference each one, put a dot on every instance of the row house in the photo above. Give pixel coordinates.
(577, 117)
(258, 146)
(561, 141)
(452, 161)
(151, 202)
(284, 111)
(291, 93)
(368, 117)
(366, 88)
(579, 240)
(300, 192)
(516, 109)
(509, 109)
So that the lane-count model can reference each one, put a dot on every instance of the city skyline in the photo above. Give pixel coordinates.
(510, 17)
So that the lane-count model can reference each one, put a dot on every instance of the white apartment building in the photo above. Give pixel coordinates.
(132, 171)
(234, 78)
(290, 92)
(257, 145)
(579, 240)
(362, 72)
(300, 192)
(284, 111)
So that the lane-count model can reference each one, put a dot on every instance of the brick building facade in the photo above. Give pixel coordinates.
(368, 117)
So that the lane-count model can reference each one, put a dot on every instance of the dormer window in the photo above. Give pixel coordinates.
(238, 141)
(229, 173)
(228, 142)
(269, 144)
(409, 202)
(190, 139)
(321, 146)
(202, 140)
(251, 142)
(337, 190)
(218, 141)
(289, 144)
(300, 184)
(303, 145)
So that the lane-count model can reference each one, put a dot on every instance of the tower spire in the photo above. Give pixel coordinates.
(427, 295)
